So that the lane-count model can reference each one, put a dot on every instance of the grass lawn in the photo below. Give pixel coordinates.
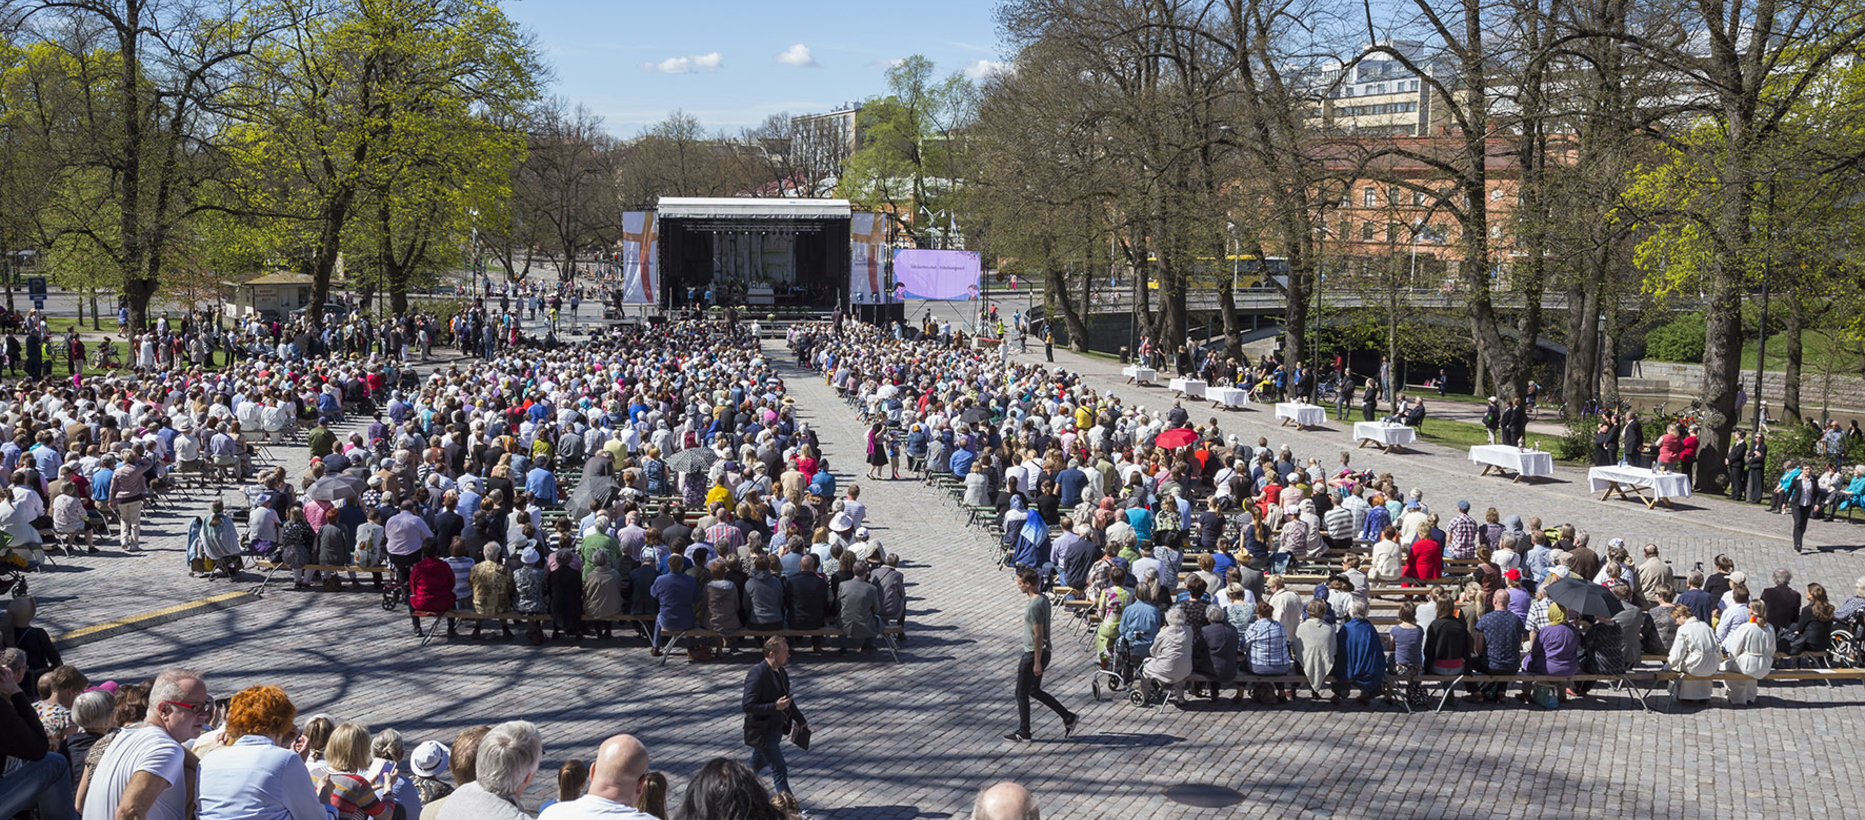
(60, 325)
(1815, 346)
(1463, 435)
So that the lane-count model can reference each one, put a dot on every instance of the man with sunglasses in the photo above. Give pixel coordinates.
(141, 776)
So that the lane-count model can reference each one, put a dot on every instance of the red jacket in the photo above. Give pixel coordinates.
(431, 586)
(1427, 561)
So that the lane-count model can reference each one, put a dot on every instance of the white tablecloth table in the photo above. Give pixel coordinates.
(1619, 480)
(1503, 458)
(1387, 436)
(1302, 414)
(1188, 387)
(1136, 373)
(1228, 396)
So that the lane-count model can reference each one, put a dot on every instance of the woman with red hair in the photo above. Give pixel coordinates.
(257, 776)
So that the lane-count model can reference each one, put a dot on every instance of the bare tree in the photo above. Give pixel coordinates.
(157, 72)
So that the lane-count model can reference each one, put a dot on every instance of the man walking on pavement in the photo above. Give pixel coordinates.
(1035, 657)
(770, 713)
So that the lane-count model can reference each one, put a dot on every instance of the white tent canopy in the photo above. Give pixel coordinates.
(751, 208)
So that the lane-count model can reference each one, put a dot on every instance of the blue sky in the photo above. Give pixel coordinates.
(634, 61)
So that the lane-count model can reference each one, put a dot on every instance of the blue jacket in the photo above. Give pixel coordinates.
(542, 485)
(675, 591)
(1139, 624)
(1358, 655)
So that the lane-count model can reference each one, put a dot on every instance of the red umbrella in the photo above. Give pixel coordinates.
(1176, 437)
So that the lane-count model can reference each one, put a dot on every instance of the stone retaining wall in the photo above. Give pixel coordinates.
(1674, 382)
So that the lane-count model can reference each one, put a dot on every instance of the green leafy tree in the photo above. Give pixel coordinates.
(364, 104)
(142, 158)
(906, 164)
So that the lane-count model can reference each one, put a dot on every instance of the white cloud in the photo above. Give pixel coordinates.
(689, 64)
(985, 69)
(797, 55)
(884, 64)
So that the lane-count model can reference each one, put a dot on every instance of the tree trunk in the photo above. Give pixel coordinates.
(1392, 347)
(1227, 311)
(1581, 374)
(1055, 298)
(1476, 374)
(1792, 333)
(1609, 365)
(135, 287)
(1722, 335)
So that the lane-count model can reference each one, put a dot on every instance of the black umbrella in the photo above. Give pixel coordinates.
(333, 487)
(975, 415)
(692, 460)
(1581, 598)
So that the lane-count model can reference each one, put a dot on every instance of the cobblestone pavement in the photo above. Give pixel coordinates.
(919, 739)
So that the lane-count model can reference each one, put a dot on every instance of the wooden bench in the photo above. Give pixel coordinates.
(520, 617)
(272, 567)
(671, 635)
(1631, 679)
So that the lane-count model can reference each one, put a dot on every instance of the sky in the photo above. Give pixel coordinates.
(731, 63)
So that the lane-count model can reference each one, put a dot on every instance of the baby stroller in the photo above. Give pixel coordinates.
(1848, 641)
(1121, 672)
(13, 574)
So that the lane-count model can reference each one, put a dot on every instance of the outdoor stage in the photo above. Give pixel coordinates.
(756, 253)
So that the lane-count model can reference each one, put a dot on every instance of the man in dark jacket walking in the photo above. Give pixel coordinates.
(770, 713)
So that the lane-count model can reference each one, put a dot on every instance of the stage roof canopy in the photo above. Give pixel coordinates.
(671, 207)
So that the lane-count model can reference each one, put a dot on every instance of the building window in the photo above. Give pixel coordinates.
(1380, 108)
(1393, 196)
(1369, 197)
(1418, 198)
(1495, 195)
(1366, 231)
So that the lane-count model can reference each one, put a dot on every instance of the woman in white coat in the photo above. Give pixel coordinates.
(1694, 653)
(1388, 556)
(1170, 661)
(1751, 654)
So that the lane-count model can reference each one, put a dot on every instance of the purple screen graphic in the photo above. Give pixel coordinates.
(931, 274)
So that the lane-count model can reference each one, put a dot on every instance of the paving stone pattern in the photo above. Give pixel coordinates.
(919, 739)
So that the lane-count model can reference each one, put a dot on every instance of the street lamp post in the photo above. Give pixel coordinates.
(1761, 344)
(1322, 231)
